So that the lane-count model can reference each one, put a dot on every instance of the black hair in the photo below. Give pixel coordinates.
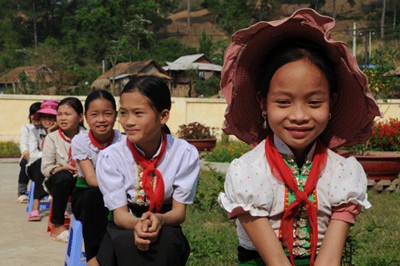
(290, 51)
(155, 89)
(100, 94)
(75, 103)
(33, 109)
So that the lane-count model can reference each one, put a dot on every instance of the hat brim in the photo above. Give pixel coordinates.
(353, 110)
(48, 111)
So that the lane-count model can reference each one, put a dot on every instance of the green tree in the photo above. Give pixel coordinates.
(169, 49)
(232, 15)
(206, 45)
(208, 87)
(380, 82)
(235, 15)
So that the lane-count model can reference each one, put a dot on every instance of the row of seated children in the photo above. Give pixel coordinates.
(292, 91)
(107, 187)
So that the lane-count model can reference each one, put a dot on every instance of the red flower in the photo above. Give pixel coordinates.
(385, 136)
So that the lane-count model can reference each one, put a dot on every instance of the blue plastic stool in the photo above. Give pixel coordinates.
(44, 203)
(74, 255)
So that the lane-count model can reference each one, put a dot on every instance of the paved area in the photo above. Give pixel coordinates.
(22, 242)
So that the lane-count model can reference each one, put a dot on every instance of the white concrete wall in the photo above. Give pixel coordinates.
(14, 110)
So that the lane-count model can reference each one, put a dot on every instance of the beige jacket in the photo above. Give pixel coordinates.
(55, 152)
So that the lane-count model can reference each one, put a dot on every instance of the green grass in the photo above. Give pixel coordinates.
(213, 241)
(377, 231)
(211, 235)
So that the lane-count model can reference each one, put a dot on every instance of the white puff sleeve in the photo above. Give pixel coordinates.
(111, 180)
(80, 150)
(348, 184)
(186, 177)
(247, 189)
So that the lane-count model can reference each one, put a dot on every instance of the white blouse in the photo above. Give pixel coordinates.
(83, 148)
(35, 142)
(24, 136)
(250, 185)
(117, 174)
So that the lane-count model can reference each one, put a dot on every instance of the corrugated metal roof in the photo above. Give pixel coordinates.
(197, 66)
(188, 62)
(188, 59)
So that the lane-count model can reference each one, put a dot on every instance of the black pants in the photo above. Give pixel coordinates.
(60, 186)
(118, 248)
(88, 207)
(35, 174)
(23, 178)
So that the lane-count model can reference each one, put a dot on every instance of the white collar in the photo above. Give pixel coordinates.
(284, 149)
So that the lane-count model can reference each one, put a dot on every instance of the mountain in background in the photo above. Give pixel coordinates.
(188, 29)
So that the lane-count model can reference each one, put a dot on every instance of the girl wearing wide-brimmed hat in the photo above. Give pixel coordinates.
(295, 94)
(47, 117)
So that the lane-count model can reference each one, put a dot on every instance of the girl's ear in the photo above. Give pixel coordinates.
(164, 116)
(263, 106)
(262, 101)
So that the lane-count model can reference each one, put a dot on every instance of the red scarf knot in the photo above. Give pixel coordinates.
(301, 196)
(98, 144)
(282, 172)
(153, 187)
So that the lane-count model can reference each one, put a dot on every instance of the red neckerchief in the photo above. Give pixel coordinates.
(71, 162)
(98, 144)
(281, 171)
(156, 196)
(42, 137)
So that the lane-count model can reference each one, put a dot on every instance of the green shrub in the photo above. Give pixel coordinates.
(9, 149)
(208, 87)
(226, 150)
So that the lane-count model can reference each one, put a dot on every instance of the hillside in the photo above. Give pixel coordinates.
(203, 21)
(200, 21)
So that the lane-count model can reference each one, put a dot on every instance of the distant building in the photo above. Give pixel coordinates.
(22, 78)
(116, 78)
(187, 69)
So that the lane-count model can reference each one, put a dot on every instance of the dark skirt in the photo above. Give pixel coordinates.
(60, 186)
(118, 248)
(35, 174)
(252, 258)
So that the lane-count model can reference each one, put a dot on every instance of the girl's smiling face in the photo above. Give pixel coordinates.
(101, 117)
(47, 120)
(68, 119)
(297, 105)
(141, 122)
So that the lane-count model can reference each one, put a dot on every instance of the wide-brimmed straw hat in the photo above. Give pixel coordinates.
(48, 107)
(353, 110)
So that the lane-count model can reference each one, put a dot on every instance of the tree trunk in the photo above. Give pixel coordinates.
(383, 20)
(334, 9)
(35, 27)
(316, 5)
